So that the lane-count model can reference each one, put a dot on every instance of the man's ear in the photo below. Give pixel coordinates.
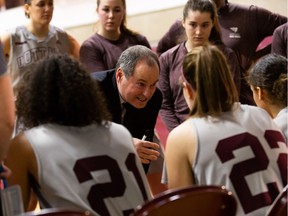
(119, 74)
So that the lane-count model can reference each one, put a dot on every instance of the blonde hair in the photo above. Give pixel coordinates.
(206, 70)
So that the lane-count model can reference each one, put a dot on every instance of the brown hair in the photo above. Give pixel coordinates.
(206, 70)
(28, 2)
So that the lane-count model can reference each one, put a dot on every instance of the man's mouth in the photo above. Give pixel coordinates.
(142, 100)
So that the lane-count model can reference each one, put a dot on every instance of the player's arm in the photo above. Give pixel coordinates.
(75, 46)
(180, 151)
(22, 162)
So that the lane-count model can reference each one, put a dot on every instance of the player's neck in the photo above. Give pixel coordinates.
(274, 110)
(38, 31)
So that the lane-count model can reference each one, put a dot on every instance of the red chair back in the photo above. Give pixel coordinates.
(57, 212)
(193, 200)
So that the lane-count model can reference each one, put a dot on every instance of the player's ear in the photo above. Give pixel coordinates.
(260, 93)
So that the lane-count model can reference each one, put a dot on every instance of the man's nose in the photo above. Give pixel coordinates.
(148, 92)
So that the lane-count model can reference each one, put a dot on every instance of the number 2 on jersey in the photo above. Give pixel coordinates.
(115, 188)
(260, 162)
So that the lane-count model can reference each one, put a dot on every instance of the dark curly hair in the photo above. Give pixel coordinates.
(59, 90)
(270, 73)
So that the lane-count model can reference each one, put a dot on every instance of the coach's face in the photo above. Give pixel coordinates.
(139, 88)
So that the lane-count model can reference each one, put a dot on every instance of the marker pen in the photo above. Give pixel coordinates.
(145, 135)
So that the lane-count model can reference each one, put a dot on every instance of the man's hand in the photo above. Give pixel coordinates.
(146, 150)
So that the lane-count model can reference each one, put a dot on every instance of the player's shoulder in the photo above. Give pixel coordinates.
(119, 129)
(254, 110)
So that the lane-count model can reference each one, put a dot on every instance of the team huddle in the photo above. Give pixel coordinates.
(79, 119)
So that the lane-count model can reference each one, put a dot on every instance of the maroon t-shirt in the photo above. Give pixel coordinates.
(98, 53)
(279, 40)
(174, 108)
(242, 29)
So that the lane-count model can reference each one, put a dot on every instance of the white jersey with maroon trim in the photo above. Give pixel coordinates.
(246, 152)
(94, 168)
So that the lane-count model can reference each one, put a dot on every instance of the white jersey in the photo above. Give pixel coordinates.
(26, 49)
(244, 151)
(281, 120)
(94, 168)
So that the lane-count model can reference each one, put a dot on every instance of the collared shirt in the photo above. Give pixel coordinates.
(123, 109)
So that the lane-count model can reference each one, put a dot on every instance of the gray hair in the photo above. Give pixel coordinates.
(134, 54)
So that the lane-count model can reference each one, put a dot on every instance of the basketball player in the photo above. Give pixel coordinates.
(70, 149)
(101, 51)
(26, 44)
(224, 142)
(268, 81)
